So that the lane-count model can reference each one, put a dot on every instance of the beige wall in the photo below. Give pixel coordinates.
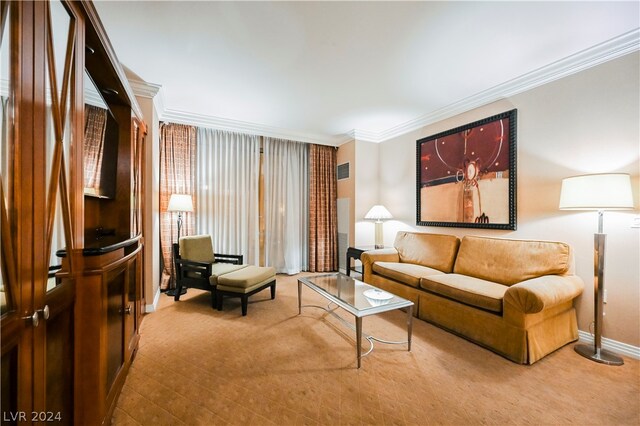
(347, 187)
(367, 190)
(151, 202)
(584, 123)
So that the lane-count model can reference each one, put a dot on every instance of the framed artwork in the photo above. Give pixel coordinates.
(466, 177)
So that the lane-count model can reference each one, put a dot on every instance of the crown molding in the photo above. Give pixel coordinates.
(91, 97)
(144, 89)
(155, 92)
(364, 135)
(596, 55)
(151, 91)
(158, 103)
(183, 117)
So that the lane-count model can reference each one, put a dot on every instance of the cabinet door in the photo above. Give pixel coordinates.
(54, 284)
(39, 53)
(137, 146)
(115, 283)
(132, 305)
(15, 211)
(53, 293)
(137, 226)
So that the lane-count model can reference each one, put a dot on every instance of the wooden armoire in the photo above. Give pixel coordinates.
(72, 246)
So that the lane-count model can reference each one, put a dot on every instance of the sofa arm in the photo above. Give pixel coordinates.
(380, 255)
(537, 294)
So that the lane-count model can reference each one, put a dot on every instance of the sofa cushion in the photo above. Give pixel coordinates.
(433, 250)
(406, 273)
(471, 291)
(247, 277)
(511, 261)
(218, 269)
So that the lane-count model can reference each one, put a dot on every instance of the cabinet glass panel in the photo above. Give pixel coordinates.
(136, 226)
(59, 93)
(6, 147)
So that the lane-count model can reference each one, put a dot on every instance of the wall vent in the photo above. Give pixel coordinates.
(343, 243)
(343, 232)
(343, 171)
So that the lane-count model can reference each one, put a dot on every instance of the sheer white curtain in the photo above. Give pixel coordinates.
(286, 198)
(227, 176)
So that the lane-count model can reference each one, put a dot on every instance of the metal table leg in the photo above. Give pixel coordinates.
(409, 327)
(299, 297)
(359, 339)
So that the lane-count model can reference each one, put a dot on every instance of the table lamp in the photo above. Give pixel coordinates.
(378, 213)
(609, 191)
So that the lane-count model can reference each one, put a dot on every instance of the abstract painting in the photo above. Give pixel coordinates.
(466, 177)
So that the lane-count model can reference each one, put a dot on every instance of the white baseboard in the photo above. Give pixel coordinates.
(152, 307)
(612, 345)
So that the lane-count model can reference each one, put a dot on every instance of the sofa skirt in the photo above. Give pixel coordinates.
(492, 331)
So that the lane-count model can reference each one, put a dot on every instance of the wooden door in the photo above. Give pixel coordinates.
(41, 123)
(138, 137)
(132, 305)
(53, 292)
(16, 230)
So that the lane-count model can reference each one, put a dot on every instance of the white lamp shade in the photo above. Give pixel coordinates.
(610, 191)
(378, 212)
(180, 203)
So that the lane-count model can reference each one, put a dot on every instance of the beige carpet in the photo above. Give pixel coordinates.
(196, 365)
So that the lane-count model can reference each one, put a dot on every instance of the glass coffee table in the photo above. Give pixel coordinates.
(360, 300)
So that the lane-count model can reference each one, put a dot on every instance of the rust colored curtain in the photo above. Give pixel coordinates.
(177, 176)
(323, 215)
(95, 124)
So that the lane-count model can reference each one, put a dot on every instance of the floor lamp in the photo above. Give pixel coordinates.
(178, 203)
(378, 213)
(599, 192)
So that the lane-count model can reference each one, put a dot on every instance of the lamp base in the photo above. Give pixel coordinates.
(379, 241)
(172, 292)
(603, 357)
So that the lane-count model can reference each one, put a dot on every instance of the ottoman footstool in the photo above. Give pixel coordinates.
(244, 283)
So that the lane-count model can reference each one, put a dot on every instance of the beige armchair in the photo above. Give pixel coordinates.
(197, 266)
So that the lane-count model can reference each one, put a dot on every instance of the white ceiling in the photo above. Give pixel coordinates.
(325, 69)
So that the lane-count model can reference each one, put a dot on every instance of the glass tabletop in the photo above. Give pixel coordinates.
(359, 298)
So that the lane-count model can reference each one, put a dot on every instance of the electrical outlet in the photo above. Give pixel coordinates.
(635, 223)
(604, 298)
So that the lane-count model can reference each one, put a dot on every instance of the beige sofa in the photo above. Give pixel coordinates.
(514, 297)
